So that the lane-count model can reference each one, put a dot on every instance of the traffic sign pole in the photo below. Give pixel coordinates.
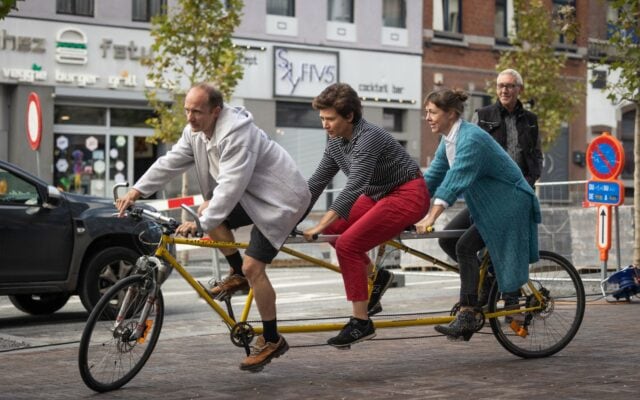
(605, 160)
(603, 235)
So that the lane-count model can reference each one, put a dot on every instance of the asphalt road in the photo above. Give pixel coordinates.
(194, 358)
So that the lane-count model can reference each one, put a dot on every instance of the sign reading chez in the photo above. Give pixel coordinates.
(303, 73)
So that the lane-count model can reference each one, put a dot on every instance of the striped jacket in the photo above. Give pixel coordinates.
(373, 161)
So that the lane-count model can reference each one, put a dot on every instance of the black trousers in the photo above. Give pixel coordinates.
(464, 250)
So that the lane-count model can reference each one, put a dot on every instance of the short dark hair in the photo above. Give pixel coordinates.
(343, 98)
(447, 100)
(215, 96)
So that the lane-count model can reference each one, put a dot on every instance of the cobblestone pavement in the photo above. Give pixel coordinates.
(602, 362)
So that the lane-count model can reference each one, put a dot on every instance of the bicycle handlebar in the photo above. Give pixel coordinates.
(118, 186)
(298, 232)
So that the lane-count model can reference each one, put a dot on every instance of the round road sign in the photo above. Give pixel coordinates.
(605, 157)
(34, 121)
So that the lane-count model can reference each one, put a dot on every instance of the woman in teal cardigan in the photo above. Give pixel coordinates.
(469, 163)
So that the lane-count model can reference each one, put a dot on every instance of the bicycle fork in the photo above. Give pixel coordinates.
(143, 325)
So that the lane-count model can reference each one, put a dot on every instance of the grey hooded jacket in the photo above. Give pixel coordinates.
(253, 171)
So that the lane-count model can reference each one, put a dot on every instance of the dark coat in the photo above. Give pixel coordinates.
(491, 119)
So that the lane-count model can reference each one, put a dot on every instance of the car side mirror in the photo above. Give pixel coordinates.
(53, 198)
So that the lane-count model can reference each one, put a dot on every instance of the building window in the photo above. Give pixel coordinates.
(557, 5)
(627, 137)
(75, 7)
(599, 79)
(447, 16)
(500, 24)
(392, 119)
(475, 101)
(394, 13)
(285, 8)
(131, 117)
(613, 26)
(298, 115)
(143, 10)
(74, 115)
(340, 11)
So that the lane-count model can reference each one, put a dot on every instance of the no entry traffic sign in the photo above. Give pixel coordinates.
(34, 121)
(605, 157)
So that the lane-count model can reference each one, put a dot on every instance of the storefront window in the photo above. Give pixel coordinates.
(96, 147)
(117, 159)
(80, 163)
(75, 115)
(300, 115)
(392, 119)
(130, 117)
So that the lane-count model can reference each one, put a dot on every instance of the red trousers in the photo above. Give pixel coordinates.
(371, 223)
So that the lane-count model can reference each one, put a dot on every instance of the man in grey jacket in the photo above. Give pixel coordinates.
(245, 178)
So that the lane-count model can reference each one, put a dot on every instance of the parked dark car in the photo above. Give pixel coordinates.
(54, 245)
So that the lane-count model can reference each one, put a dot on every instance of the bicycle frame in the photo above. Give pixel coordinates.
(166, 240)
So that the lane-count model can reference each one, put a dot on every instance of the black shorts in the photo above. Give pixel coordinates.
(259, 247)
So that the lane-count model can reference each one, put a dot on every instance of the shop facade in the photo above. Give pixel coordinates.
(91, 87)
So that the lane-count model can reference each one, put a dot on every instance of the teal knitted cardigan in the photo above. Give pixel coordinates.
(503, 206)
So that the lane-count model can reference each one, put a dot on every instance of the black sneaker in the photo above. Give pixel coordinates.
(354, 331)
(381, 283)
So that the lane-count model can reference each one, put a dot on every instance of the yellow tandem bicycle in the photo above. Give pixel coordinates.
(123, 328)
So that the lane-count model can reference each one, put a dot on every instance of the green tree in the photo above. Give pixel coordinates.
(625, 60)
(6, 6)
(533, 54)
(192, 43)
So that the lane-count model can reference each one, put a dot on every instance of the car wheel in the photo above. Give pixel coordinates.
(38, 304)
(103, 271)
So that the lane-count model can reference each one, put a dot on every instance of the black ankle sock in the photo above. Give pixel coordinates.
(235, 261)
(270, 331)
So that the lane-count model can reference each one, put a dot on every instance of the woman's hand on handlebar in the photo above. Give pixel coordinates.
(311, 234)
(126, 201)
(425, 225)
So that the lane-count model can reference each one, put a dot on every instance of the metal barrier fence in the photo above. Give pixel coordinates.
(561, 194)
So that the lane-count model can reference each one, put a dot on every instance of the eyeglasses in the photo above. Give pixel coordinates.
(508, 86)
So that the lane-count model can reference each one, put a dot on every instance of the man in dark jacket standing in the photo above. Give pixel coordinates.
(515, 128)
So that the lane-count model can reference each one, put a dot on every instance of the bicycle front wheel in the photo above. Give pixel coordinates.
(550, 328)
(112, 352)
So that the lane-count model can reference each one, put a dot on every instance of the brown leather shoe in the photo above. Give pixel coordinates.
(262, 353)
(228, 286)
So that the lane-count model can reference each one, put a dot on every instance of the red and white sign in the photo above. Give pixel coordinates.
(34, 121)
(170, 204)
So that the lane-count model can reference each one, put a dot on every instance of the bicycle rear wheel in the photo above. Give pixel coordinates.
(109, 355)
(549, 329)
